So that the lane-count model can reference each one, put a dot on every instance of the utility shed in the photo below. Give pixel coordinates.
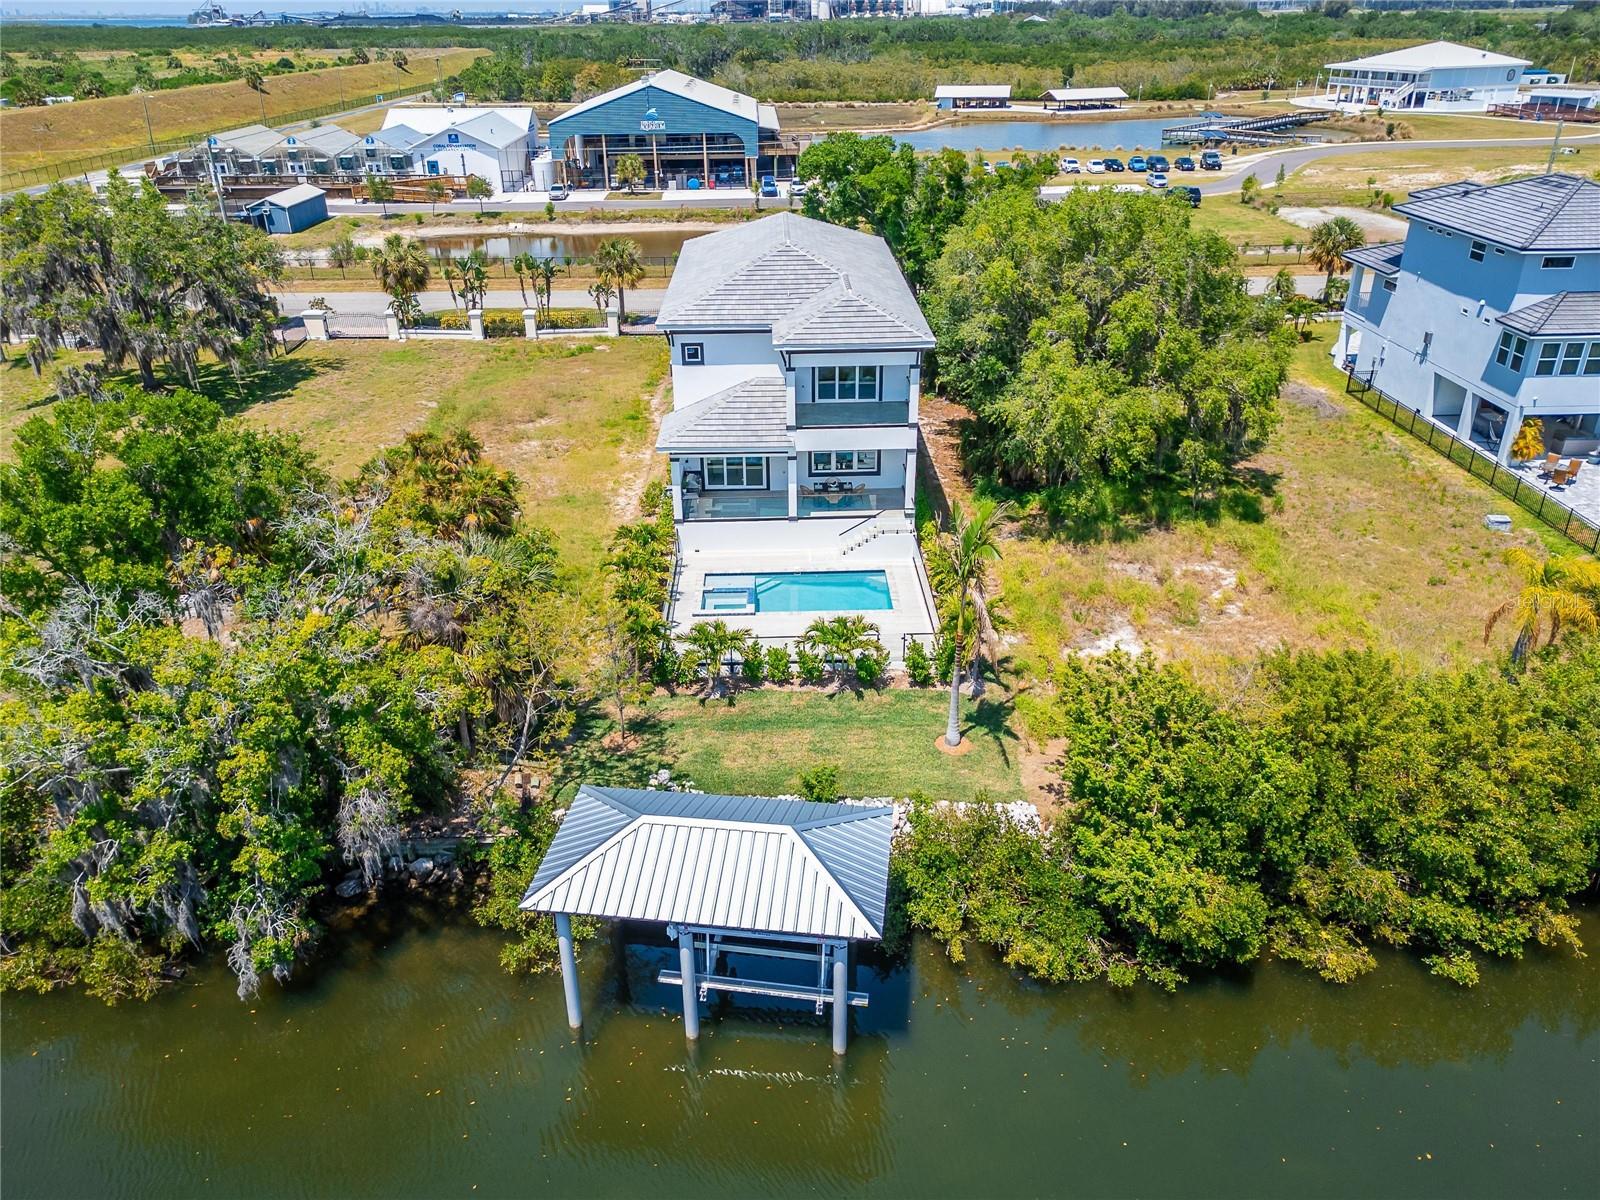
(290, 210)
(754, 876)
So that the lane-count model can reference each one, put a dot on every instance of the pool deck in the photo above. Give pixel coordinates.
(894, 553)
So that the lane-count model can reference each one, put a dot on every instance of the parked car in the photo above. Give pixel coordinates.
(1157, 162)
(988, 167)
(798, 188)
(1071, 166)
(1186, 192)
(558, 191)
(1184, 163)
(1097, 166)
(769, 185)
(1156, 179)
(1136, 163)
(1210, 160)
(1126, 187)
(1115, 165)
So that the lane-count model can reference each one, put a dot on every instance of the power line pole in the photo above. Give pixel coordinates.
(1555, 143)
(148, 131)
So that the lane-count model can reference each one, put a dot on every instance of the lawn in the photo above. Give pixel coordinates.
(35, 137)
(1343, 179)
(1342, 532)
(881, 742)
(571, 419)
(1243, 225)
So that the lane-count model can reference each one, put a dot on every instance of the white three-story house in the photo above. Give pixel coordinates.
(796, 370)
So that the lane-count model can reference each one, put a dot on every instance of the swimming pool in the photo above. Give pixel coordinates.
(797, 591)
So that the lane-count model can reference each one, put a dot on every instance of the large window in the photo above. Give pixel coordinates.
(736, 472)
(1511, 351)
(1558, 262)
(847, 383)
(1568, 358)
(844, 462)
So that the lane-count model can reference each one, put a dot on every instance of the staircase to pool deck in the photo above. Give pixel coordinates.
(879, 524)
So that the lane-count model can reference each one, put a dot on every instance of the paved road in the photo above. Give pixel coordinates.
(372, 303)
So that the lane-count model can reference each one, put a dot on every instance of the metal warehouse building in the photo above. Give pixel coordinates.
(688, 132)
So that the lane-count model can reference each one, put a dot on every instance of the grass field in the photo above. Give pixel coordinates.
(1243, 225)
(1342, 532)
(572, 420)
(34, 137)
(1401, 171)
(881, 742)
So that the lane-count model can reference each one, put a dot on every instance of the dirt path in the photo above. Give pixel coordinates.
(637, 470)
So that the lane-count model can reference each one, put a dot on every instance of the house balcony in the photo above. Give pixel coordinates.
(851, 412)
(756, 505)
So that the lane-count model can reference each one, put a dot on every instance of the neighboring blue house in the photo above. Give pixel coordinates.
(290, 210)
(683, 129)
(1488, 313)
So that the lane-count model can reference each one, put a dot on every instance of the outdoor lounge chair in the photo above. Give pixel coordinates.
(1572, 471)
(1550, 461)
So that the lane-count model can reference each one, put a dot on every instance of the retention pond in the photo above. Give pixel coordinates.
(409, 1064)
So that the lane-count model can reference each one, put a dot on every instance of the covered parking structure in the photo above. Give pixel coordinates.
(1083, 99)
(777, 880)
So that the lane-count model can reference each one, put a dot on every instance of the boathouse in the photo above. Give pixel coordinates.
(775, 880)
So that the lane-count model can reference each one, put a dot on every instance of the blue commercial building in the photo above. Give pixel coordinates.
(689, 134)
(290, 210)
(1488, 314)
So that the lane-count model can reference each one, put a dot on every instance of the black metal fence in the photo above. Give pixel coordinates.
(1582, 531)
(149, 148)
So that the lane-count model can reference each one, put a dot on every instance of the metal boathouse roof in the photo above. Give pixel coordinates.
(750, 863)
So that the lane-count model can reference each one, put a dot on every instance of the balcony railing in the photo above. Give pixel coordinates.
(851, 412)
(751, 506)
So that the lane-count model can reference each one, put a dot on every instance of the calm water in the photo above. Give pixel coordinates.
(409, 1065)
(1043, 135)
(654, 244)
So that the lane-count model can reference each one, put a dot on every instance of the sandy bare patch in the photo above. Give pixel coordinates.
(1373, 224)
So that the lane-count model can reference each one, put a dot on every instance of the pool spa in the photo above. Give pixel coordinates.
(797, 592)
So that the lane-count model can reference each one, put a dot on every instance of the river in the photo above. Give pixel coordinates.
(408, 1064)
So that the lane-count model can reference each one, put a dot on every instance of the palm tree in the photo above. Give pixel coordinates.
(713, 642)
(1330, 242)
(401, 268)
(959, 571)
(839, 639)
(522, 267)
(544, 274)
(617, 264)
(1557, 593)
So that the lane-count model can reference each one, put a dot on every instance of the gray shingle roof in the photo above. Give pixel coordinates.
(1383, 258)
(751, 415)
(1546, 212)
(798, 277)
(1571, 314)
(731, 862)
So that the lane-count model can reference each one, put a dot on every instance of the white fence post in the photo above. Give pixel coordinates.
(613, 320)
(391, 324)
(475, 323)
(316, 322)
(530, 323)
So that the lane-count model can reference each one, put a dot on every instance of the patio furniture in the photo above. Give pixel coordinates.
(1573, 469)
(1564, 472)
(1549, 465)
